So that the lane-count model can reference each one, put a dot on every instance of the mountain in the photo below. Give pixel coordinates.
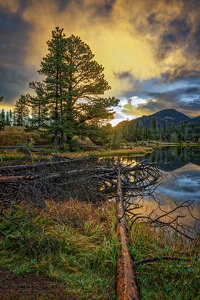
(163, 117)
(195, 120)
(170, 115)
(165, 125)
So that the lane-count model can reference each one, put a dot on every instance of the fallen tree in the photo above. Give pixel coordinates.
(94, 181)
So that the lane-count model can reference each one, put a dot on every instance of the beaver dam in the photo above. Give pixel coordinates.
(97, 181)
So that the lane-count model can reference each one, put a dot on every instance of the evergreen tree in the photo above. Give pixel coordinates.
(2, 123)
(3, 117)
(137, 129)
(86, 84)
(159, 131)
(7, 119)
(154, 127)
(11, 117)
(54, 67)
(179, 137)
(164, 131)
(38, 105)
(185, 130)
(21, 111)
(74, 87)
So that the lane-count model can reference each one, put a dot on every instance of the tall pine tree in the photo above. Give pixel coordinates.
(74, 87)
(21, 111)
(54, 67)
(38, 105)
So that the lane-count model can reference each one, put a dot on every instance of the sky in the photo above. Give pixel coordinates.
(150, 49)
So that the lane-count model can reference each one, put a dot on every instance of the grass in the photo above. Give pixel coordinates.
(18, 157)
(79, 249)
(15, 157)
(164, 279)
(107, 152)
(172, 144)
(133, 150)
(14, 135)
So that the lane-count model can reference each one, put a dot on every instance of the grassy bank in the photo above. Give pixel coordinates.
(15, 135)
(108, 152)
(120, 152)
(78, 248)
(17, 157)
(168, 280)
(173, 144)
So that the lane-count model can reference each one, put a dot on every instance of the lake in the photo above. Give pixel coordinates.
(181, 181)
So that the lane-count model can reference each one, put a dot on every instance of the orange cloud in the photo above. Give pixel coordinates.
(10, 5)
(109, 37)
(146, 38)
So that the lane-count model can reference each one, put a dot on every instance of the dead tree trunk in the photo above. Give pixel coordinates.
(126, 279)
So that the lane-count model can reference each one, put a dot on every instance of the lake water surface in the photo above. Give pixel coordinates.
(181, 183)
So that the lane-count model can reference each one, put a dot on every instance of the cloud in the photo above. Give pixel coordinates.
(9, 5)
(103, 26)
(14, 73)
(148, 48)
(184, 100)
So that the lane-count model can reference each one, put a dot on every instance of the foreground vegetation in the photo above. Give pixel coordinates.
(76, 244)
(16, 135)
(165, 279)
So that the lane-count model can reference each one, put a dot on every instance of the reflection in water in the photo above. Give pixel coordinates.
(172, 157)
(181, 183)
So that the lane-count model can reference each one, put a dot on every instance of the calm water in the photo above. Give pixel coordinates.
(182, 181)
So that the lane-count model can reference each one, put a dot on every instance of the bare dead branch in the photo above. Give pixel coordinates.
(161, 258)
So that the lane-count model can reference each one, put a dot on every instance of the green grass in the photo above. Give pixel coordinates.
(168, 280)
(107, 152)
(79, 247)
(16, 158)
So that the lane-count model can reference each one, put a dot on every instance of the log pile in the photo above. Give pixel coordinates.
(62, 178)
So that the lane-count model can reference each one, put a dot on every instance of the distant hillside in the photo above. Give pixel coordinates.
(194, 120)
(163, 117)
(166, 125)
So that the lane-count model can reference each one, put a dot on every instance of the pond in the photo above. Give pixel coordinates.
(181, 181)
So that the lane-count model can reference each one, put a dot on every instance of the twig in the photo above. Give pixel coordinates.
(153, 259)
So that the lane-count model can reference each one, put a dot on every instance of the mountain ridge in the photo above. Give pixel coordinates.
(163, 117)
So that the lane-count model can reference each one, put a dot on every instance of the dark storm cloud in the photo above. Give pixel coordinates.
(124, 75)
(101, 9)
(181, 73)
(14, 74)
(183, 99)
(152, 19)
(181, 32)
(174, 36)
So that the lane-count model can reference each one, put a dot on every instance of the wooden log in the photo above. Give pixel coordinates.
(44, 164)
(126, 279)
(35, 165)
(53, 176)
(7, 179)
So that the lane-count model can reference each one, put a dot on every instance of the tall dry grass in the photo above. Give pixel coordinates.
(13, 135)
